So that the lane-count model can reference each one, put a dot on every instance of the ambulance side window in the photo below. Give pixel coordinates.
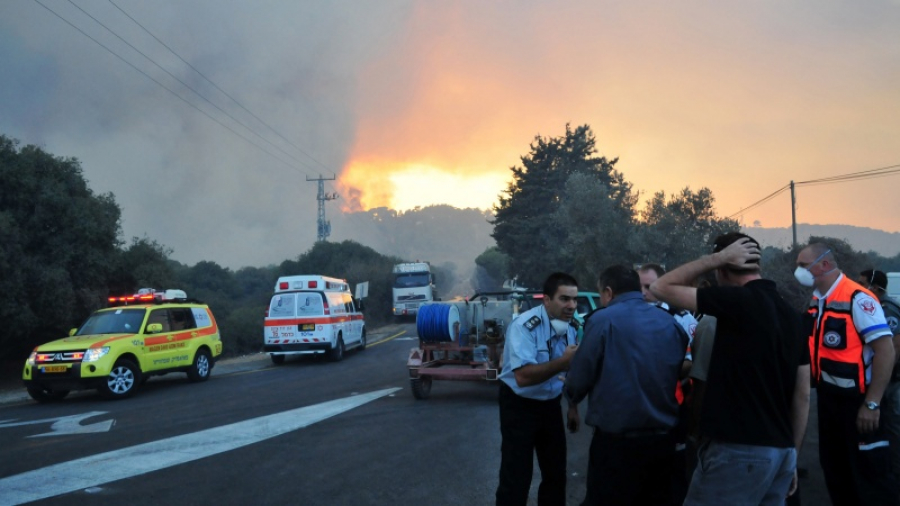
(348, 302)
(336, 303)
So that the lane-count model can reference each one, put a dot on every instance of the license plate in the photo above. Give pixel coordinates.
(308, 326)
(54, 368)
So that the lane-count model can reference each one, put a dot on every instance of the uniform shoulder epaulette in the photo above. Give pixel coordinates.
(533, 322)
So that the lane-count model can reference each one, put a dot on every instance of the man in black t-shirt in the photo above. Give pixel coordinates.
(756, 405)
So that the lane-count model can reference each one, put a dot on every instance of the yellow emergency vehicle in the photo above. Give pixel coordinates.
(117, 348)
(312, 314)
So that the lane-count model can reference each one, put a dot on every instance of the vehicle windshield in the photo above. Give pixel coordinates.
(120, 321)
(412, 279)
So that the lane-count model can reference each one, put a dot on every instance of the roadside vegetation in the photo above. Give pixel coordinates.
(567, 208)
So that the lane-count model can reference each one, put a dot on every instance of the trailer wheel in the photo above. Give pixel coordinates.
(421, 387)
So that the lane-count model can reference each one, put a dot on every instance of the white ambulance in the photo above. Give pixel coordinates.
(312, 314)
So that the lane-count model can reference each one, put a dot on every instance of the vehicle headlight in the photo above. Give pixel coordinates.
(94, 354)
(31, 358)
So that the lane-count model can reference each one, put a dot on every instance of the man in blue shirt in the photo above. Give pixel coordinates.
(537, 350)
(628, 363)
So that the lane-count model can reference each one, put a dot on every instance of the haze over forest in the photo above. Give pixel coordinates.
(447, 235)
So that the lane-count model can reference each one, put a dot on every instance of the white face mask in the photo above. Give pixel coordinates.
(560, 327)
(803, 274)
(804, 277)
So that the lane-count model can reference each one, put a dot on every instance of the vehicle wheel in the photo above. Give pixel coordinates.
(421, 387)
(122, 381)
(362, 341)
(46, 395)
(201, 367)
(337, 353)
(277, 359)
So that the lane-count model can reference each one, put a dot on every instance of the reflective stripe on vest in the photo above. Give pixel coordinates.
(835, 347)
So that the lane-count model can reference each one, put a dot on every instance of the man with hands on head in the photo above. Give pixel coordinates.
(538, 348)
(756, 404)
(852, 353)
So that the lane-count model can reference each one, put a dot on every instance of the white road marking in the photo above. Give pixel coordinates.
(66, 425)
(136, 460)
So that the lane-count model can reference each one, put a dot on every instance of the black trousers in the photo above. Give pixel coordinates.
(530, 427)
(857, 467)
(630, 470)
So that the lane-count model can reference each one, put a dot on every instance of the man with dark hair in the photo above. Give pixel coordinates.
(876, 282)
(539, 346)
(756, 405)
(852, 358)
(628, 364)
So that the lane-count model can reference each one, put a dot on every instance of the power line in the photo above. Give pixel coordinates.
(843, 178)
(853, 176)
(216, 86)
(761, 201)
(165, 87)
(173, 76)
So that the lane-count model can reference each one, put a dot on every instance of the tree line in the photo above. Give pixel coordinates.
(566, 208)
(569, 209)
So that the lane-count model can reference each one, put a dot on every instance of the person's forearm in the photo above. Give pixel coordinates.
(882, 367)
(800, 406)
(676, 286)
(535, 374)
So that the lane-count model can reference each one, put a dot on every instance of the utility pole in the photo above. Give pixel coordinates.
(324, 227)
(794, 214)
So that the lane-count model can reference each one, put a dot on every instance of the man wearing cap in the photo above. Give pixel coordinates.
(852, 357)
(756, 404)
(539, 346)
(876, 282)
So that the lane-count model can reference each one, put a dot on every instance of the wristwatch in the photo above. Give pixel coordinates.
(872, 405)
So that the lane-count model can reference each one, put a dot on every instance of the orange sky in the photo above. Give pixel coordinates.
(738, 98)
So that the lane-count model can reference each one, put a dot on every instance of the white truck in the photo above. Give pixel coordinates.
(413, 286)
(893, 288)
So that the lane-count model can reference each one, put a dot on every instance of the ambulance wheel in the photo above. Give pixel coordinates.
(122, 381)
(277, 359)
(421, 387)
(337, 353)
(201, 368)
(362, 341)
(46, 395)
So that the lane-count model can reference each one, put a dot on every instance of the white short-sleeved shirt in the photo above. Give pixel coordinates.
(531, 340)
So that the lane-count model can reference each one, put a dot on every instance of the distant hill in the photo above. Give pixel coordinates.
(886, 244)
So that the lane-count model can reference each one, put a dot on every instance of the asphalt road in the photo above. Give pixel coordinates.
(307, 432)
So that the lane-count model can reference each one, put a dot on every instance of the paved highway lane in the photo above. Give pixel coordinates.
(261, 434)
(388, 450)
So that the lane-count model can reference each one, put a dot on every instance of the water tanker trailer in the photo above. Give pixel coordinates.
(462, 340)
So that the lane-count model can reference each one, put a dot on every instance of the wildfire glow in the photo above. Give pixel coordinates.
(402, 187)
